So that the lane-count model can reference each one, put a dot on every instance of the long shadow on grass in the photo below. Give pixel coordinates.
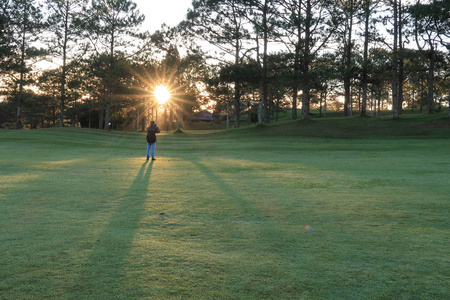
(267, 235)
(102, 275)
(266, 253)
(245, 207)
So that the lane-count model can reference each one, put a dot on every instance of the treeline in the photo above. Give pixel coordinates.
(247, 56)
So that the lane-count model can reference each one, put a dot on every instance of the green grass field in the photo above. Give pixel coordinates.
(221, 215)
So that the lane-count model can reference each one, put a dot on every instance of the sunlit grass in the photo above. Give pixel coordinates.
(85, 216)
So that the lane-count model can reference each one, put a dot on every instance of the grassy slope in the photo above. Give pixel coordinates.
(222, 215)
(408, 125)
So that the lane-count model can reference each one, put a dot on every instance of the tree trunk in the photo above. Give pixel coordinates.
(306, 62)
(379, 103)
(101, 118)
(64, 69)
(295, 83)
(22, 77)
(365, 58)
(294, 102)
(109, 88)
(394, 79)
(228, 114)
(400, 59)
(348, 66)
(108, 113)
(260, 112)
(449, 108)
(171, 117)
(63, 93)
(261, 103)
(264, 77)
(320, 104)
(237, 89)
(431, 80)
(305, 103)
(237, 105)
(263, 114)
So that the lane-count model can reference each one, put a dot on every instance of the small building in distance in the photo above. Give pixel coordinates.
(202, 116)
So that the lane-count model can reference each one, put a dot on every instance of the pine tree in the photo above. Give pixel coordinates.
(26, 24)
(66, 43)
(113, 30)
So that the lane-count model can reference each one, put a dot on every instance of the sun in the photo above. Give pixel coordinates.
(162, 94)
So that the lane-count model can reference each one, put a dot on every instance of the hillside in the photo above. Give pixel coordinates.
(408, 125)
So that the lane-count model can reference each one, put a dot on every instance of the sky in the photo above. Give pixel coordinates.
(158, 12)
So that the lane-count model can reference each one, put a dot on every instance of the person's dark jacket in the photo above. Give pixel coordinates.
(151, 133)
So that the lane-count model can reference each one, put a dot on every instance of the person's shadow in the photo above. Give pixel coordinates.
(107, 262)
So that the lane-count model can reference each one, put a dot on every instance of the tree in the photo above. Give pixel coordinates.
(394, 79)
(431, 28)
(347, 10)
(219, 91)
(397, 20)
(264, 20)
(308, 24)
(6, 36)
(279, 87)
(223, 23)
(401, 55)
(65, 25)
(379, 66)
(26, 23)
(49, 85)
(325, 74)
(181, 74)
(369, 7)
(113, 30)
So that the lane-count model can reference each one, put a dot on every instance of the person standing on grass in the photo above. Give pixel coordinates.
(151, 139)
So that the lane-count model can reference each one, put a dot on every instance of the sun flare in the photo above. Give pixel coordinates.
(162, 94)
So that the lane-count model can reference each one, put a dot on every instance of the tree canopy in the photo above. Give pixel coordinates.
(239, 58)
